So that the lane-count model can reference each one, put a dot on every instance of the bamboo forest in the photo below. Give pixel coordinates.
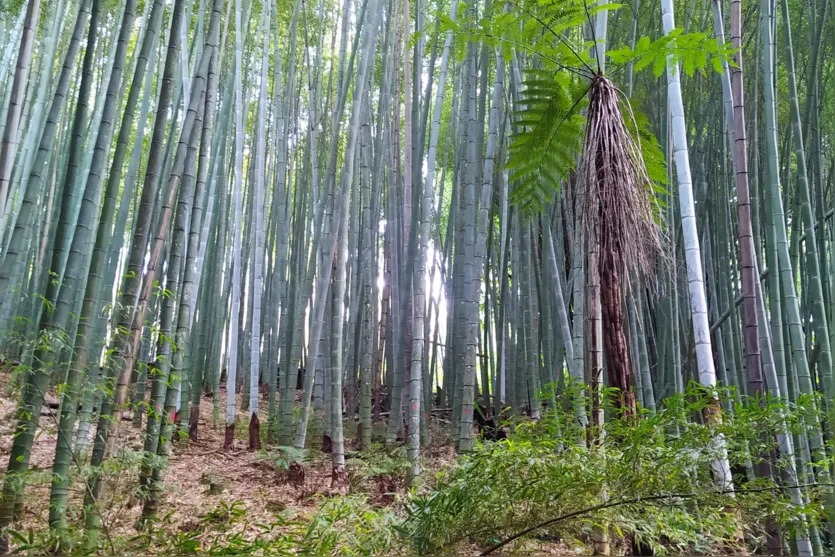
(417, 277)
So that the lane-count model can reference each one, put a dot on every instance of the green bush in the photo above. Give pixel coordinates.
(349, 526)
(648, 479)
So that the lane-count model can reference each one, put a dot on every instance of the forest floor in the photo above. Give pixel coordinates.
(204, 481)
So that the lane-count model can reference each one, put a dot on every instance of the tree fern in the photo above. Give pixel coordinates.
(549, 124)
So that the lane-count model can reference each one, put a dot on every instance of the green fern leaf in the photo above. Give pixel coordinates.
(547, 138)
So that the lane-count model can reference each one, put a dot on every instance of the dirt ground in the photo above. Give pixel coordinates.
(203, 477)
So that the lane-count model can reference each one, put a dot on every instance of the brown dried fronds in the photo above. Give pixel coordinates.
(618, 205)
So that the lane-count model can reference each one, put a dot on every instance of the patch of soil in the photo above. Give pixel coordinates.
(203, 475)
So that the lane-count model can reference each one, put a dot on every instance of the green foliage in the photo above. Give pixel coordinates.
(655, 473)
(48, 542)
(548, 138)
(348, 526)
(693, 51)
(378, 462)
(548, 135)
(345, 526)
(224, 530)
(11, 7)
(549, 119)
(547, 141)
(551, 29)
(282, 457)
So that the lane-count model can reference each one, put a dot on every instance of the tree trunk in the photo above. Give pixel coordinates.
(695, 278)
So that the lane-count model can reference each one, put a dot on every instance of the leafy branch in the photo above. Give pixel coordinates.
(644, 499)
(693, 51)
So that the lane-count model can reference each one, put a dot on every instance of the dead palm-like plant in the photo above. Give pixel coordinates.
(618, 215)
(564, 115)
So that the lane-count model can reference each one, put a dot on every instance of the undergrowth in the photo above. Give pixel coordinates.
(647, 481)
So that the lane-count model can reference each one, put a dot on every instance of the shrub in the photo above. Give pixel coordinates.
(648, 479)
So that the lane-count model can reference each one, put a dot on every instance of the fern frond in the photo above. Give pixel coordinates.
(547, 138)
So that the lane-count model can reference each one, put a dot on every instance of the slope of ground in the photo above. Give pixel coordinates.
(212, 495)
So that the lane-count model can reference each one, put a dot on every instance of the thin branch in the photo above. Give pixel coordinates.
(634, 500)
(737, 302)
(558, 37)
(593, 38)
(540, 54)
